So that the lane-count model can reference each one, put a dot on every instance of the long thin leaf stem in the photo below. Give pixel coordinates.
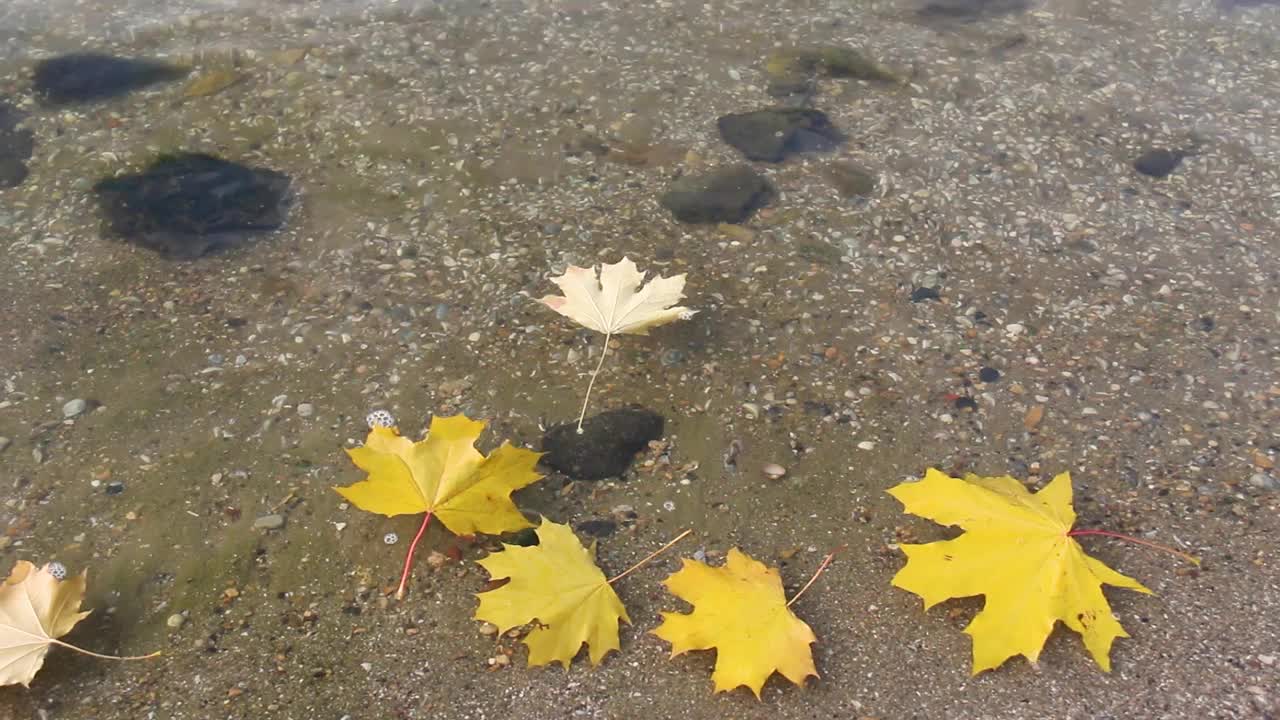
(649, 557)
(823, 566)
(408, 559)
(100, 655)
(1127, 538)
(582, 415)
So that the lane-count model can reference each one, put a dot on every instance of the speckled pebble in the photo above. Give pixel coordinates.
(269, 522)
(74, 408)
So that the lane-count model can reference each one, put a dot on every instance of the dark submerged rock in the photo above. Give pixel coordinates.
(82, 77)
(771, 135)
(969, 10)
(188, 205)
(726, 195)
(16, 146)
(607, 445)
(1159, 162)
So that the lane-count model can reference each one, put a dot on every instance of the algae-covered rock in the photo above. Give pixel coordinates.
(850, 180)
(773, 134)
(211, 82)
(791, 71)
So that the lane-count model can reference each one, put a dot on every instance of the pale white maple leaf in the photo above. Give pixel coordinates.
(617, 301)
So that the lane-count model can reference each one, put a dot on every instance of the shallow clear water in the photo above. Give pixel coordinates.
(977, 278)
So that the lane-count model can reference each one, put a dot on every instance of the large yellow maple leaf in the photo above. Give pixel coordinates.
(444, 475)
(557, 585)
(36, 608)
(739, 610)
(1017, 552)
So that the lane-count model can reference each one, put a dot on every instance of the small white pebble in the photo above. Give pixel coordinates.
(866, 445)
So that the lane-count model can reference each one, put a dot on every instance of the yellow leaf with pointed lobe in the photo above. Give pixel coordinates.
(616, 303)
(445, 475)
(739, 610)
(1016, 552)
(557, 585)
(35, 608)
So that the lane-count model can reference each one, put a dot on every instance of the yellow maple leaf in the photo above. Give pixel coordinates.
(741, 611)
(1017, 552)
(444, 475)
(557, 585)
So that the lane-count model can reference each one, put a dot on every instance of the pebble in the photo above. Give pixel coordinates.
(176, 621)
(391, 538)
(115, 487)
(4, 443)
(671, 357)
(866, 445)
(988, 374)
(74, 408)
(269, 522)
(306, 409)
(921, 294)
(1263, 481)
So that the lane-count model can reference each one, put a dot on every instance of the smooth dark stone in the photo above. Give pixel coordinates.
(189, 205)
(771, 135)
(81, 77)
(988, 374)
(727, 195)
(607, 445)
(1158, 163)
(921, 294)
